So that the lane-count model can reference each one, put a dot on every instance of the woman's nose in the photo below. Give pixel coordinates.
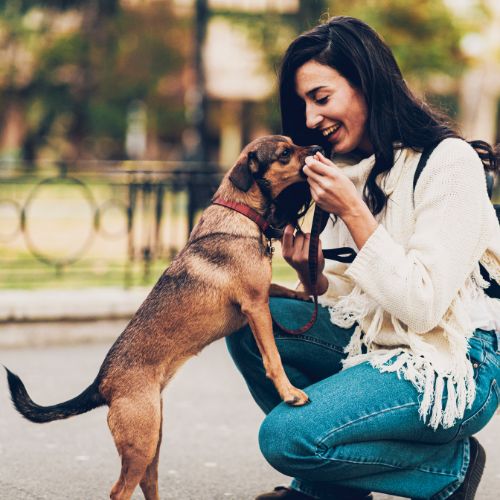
(313, 118)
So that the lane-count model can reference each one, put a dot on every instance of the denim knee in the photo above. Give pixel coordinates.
(282, 443)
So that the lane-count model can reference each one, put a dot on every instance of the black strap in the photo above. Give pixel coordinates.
(422, 162)
(344, 254)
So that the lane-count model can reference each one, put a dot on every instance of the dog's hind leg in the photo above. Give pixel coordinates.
(135, 423)
(149, 482)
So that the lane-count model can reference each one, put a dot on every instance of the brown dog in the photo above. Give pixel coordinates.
(217, 283)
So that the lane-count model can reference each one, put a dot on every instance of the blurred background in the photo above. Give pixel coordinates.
(117, 117)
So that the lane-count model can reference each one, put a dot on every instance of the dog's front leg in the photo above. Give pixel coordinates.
(260, 321)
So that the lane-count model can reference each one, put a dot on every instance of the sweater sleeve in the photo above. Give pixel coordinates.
(417, 283)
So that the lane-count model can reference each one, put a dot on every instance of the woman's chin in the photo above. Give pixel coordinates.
(341, 148)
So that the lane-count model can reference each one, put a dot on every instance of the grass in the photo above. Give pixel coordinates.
(25, 272)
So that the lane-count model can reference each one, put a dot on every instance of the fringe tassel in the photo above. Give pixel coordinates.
(355, 344)
(375, 326)
(478, 279)
(437, 409)
(428, 397)
(470, 384)
(350, 309)
(461, 396)
(450, 411)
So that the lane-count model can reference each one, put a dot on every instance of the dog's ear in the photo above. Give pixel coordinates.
(242, 173)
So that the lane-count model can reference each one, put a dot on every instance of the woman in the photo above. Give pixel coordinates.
(401, 366)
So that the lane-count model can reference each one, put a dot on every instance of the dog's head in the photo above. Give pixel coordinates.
(272, 162)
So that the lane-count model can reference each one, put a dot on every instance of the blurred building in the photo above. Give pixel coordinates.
(236, 74)
(480, 85)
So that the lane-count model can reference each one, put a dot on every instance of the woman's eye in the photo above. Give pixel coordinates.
(322, 100)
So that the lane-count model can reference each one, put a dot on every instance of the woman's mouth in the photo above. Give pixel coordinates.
(328, 132)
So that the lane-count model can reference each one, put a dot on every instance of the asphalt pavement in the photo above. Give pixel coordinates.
(209, 449)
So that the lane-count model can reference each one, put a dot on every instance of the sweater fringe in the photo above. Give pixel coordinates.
(446, 391)
(444, 397)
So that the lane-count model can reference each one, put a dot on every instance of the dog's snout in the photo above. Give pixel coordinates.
(316, 149)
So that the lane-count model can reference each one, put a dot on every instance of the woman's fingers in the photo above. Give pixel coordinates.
(320, 166)
(305, 244)
(295, 248)
(324, 159)
(312, 175)
(317, 193)
(287, 241)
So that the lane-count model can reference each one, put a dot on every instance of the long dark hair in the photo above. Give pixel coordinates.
(358, 53)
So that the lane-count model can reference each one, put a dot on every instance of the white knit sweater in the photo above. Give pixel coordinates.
(409, 287)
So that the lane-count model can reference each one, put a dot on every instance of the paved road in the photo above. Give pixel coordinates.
(209, 450)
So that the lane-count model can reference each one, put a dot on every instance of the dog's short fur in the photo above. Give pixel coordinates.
(217, 283)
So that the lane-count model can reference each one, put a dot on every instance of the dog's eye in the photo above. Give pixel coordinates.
(286, 153)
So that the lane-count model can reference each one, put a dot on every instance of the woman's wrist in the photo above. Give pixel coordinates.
(360, 223)
(321, 284)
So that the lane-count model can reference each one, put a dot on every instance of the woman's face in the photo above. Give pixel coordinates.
(333, 107)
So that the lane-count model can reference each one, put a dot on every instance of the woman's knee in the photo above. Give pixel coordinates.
(288, 449)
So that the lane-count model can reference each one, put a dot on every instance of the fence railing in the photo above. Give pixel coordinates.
(96, 222)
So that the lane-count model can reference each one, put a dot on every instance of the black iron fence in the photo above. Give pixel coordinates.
(96, 222)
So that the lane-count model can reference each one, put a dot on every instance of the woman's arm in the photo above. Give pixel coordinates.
(416, 281)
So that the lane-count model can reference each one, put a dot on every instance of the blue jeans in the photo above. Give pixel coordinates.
(362, 431)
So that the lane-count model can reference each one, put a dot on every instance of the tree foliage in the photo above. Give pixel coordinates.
(78, 65)
(424, 35)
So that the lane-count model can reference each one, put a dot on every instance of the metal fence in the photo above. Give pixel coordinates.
(96, 222)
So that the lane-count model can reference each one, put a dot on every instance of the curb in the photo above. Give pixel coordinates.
(69, 305)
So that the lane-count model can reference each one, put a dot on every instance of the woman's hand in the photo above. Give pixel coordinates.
(295, 250)
(335, 193)
(330, 188)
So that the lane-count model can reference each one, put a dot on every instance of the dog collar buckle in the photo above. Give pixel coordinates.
(269, 248)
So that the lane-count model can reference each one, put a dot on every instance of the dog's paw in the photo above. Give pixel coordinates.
(302, 296)
(297, 398)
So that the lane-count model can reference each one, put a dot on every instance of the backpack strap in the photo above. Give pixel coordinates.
(422, 162)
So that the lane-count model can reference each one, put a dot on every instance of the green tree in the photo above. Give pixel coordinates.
(424, 35)
(88, 60)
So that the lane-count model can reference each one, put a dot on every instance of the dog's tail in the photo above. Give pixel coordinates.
(89, 399)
